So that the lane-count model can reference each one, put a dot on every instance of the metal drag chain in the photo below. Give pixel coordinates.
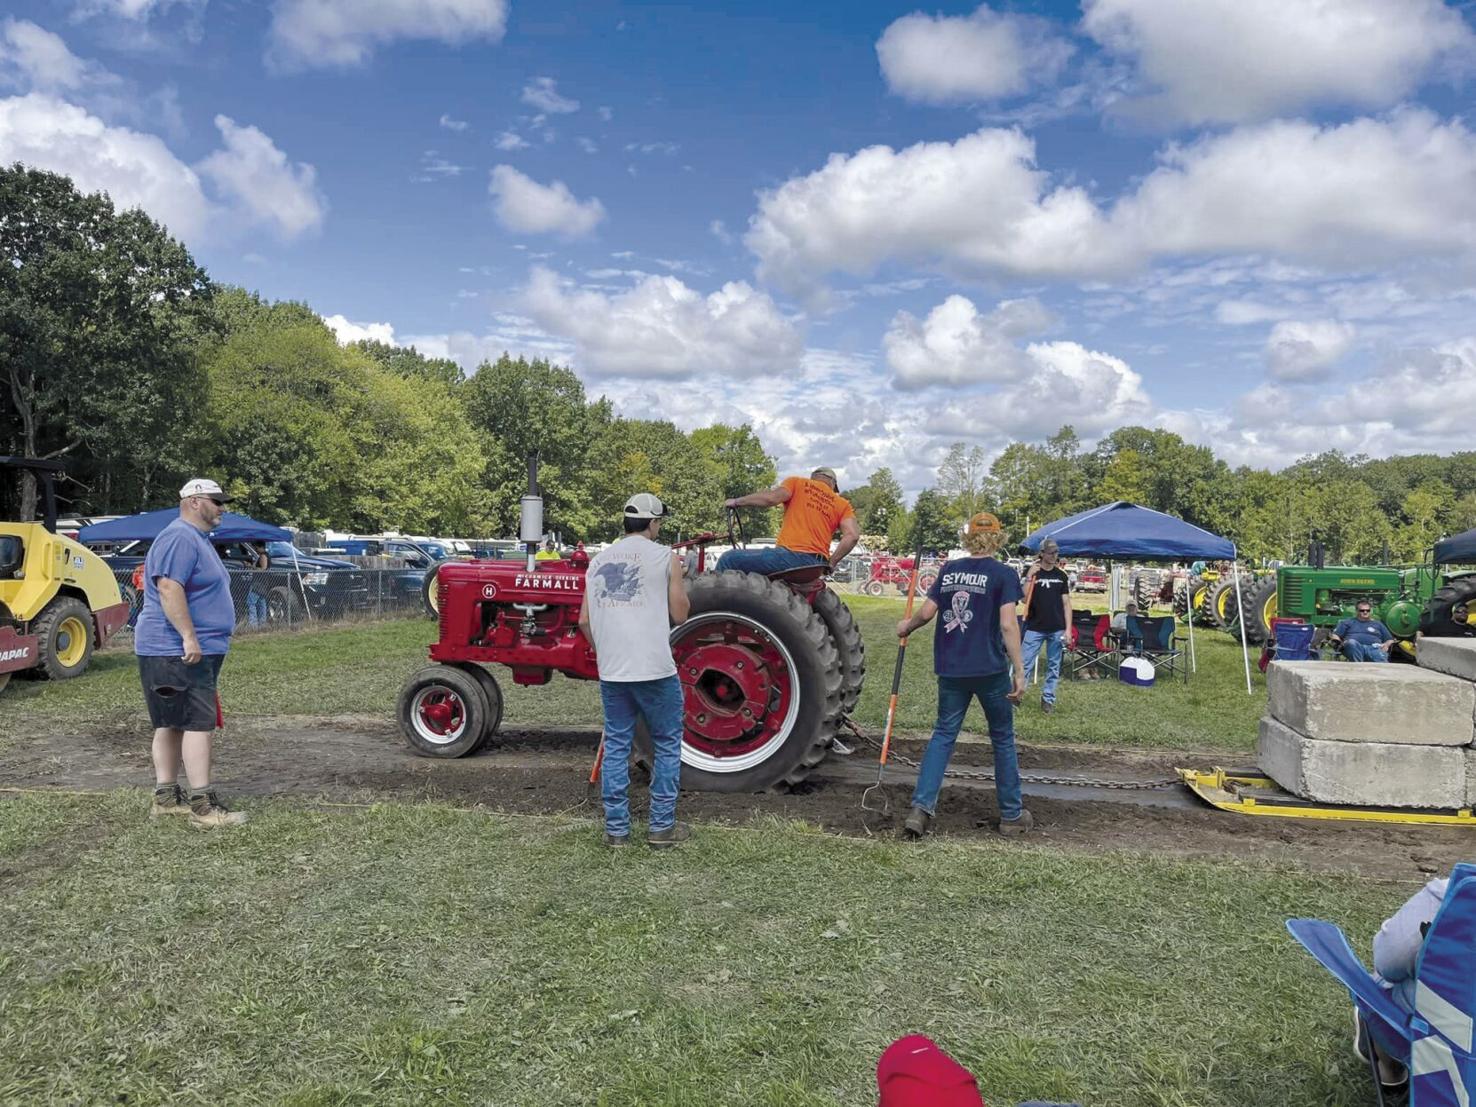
(1025, 778)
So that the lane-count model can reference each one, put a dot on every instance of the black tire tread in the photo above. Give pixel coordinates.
(1435, 619)
(845, 635)
(1254, 600)
(464, 683)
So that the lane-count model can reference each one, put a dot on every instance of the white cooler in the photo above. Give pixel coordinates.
(1136, 671)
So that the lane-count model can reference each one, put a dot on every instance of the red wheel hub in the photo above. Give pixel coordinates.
(442, 712)
(736, 687)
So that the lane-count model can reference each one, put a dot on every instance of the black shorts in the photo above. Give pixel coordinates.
(178, 695)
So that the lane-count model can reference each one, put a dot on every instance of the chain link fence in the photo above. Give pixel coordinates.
(289, 599)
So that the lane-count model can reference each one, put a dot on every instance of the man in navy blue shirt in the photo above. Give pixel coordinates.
(1363, 638)
(181, 639)
(976, 655)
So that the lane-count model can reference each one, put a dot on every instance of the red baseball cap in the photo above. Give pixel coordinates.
(914, 1072)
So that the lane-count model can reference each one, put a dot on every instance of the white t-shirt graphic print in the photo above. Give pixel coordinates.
(628, 613)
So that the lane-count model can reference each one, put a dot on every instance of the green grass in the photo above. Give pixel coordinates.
(409, 954)
(358, 669)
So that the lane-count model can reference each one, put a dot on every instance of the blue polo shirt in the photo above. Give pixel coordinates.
(184, 554)
(1370, 633)
(969, 592)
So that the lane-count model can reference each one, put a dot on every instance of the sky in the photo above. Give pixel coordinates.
(868, 229)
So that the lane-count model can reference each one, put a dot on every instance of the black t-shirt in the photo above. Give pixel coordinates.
(1047, 612)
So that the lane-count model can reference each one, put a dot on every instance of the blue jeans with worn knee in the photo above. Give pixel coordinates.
(772, 559)
(954, 696)
(1054, 641)
(1363, 651)
(659, 702)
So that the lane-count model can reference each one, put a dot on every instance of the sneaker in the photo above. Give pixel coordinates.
(207, 812)
(1013, 828)
(169, 799)
(665, 839)
(1047, 707)
(840, 748)
(1392, 1074)
(616, 841)
(917, 823)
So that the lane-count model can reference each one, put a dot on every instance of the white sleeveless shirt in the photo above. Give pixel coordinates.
(626, 584)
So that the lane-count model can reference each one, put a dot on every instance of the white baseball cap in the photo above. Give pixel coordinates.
(643, 505)
(202, 487)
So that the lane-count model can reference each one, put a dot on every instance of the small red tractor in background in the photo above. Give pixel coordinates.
(887, 571)
(769, 665)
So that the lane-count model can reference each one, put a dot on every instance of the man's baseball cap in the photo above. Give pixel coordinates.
(643, 505)
(1050, 546)
(914, 1072)
(825, 471)
(202, 487)
(983, 523)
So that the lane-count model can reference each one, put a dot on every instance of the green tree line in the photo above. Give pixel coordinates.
(119, 356)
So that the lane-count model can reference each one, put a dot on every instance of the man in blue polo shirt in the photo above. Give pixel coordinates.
(1363, 638)
(976, 654)
(181, 639)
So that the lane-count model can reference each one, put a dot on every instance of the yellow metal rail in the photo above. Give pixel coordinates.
(1249, 792)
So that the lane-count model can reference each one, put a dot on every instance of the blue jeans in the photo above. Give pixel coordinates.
(1054, 641)
(954, 695)
(659, 702)
(256, 608)
(770, 560)
(1363, 651)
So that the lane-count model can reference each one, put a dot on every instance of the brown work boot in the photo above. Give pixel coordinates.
(169, 799)
(665, 839)
(616, 841)
(1013, 828)
(207, 812)
(917, 823)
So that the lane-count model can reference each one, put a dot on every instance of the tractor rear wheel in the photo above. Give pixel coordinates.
(761, 683)
(1260, 609)
(874, 588)
(845, 636)
(1145, 589)
(429, 594)
(443, 712)
(1436, 620)
(1221, 604)
(65, 630)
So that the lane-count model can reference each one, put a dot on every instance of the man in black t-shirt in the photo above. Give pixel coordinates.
(1047, 617)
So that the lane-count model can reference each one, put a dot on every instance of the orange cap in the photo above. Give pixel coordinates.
(983, 523)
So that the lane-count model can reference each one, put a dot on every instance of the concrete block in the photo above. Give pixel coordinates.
(1453, 656)
(1341, 701)
(1371, 774)
(1470, 776)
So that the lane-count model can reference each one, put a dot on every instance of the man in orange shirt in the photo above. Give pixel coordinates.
(813, 510)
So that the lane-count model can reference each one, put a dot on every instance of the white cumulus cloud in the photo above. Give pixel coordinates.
(941, 59)
(956, 344)
(1365, 192)
(543, 94)
(135, 169)
(323, 33)
(662, 328)
(1306, 350)
(453, 124)
(348, 331)
(1230, 61)
(34, 59)
(252, 172)
(522, 204)
(511, 140)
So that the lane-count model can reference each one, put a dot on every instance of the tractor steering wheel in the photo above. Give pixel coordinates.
(737, 540)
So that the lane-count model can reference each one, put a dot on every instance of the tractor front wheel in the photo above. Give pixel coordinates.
(874, 588)
(65, 630)
(493, 692)
(444, 712)
(761, 686)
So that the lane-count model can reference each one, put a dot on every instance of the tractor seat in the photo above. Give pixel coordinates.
(803, 574)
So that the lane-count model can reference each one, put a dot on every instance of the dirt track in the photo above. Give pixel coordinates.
(361, 758)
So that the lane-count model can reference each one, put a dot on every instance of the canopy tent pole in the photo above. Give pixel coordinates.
(1240, 609)
(1189, 596)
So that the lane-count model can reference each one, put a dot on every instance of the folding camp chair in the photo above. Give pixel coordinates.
(1434, 1042)
(1160, 644)
(1094, 648)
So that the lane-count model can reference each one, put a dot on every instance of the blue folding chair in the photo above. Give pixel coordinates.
(1434, 1042)
(1153, 637)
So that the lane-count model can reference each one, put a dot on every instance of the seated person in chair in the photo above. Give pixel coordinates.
(1120, 620)
(813, 510)
(1363, 638)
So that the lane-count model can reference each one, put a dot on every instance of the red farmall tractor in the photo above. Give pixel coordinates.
(768, 665)
(896, 572)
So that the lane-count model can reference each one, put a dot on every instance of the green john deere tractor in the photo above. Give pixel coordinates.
(1405, 599)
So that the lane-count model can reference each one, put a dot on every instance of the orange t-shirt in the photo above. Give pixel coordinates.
(811, 515)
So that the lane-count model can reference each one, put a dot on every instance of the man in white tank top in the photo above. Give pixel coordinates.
(633, 594)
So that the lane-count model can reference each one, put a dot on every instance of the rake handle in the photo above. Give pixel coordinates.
(901, 656)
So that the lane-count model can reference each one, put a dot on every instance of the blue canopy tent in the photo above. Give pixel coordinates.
(146, 527)
(1126, 531)
(1459, 549)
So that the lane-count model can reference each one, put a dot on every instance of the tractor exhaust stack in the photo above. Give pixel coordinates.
(530, 524)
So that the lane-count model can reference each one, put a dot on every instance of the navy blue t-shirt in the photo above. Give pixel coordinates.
(969, 593)
(1370, 632)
